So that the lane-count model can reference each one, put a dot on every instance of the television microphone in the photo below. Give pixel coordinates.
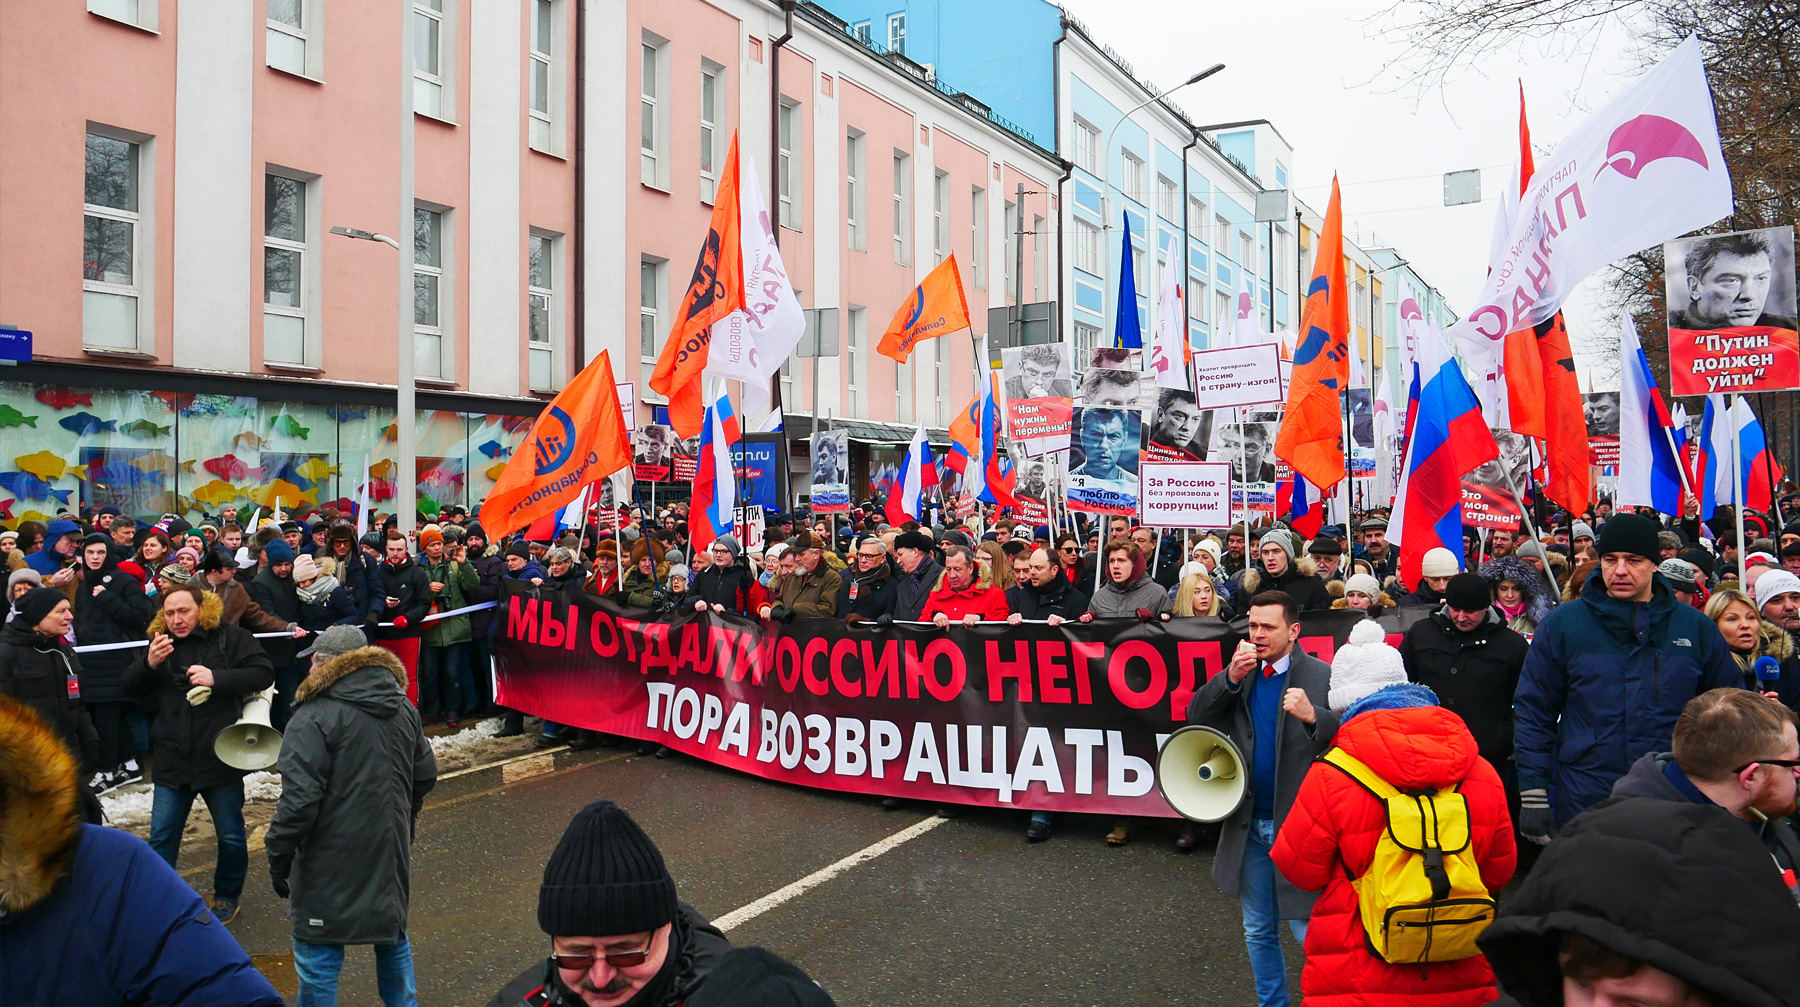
(1768, 672)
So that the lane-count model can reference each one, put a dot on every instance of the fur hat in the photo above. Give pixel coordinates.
(1363, 665)
(646, 547)
(1439, 562)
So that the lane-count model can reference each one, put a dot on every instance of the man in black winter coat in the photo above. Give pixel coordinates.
(110, 607)
(1047, 595)
(1281, 570)
(355, 769)
(918, 574)
(197, 672)
(403, 593)
(724, 585)
(1466, 654)
(273, 590)
(870, 592)
(38, 669)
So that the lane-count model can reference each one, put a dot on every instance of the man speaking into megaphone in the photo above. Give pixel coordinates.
(1271, 699)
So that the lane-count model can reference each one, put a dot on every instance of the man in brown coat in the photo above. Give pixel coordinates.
(812, 590)
(220, 573)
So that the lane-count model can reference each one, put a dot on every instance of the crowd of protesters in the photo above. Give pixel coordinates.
(1541, 678)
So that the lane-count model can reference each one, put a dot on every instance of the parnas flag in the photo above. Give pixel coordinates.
(935, 308)
(714, 291)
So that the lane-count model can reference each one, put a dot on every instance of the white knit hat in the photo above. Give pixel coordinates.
(1439, 562)
(1363, 584)
(1211, 546)
(1363, 665)
(1774, 584)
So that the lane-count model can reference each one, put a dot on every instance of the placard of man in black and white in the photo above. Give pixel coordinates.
(1042, 373)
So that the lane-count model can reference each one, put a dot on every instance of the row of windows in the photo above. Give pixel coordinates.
(115, 286)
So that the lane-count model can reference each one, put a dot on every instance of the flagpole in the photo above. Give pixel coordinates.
(1769, 470)
(1737, 487)
(1531, 529)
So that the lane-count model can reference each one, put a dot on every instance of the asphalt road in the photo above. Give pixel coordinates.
(963, 913)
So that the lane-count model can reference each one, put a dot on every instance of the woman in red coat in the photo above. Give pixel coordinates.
(1329, 838)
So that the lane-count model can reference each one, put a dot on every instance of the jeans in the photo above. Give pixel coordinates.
(444, 683)
(481, 673)
(225, 802)
(318, 966)
(1262, 916)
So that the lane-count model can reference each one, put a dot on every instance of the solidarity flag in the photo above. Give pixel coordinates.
(1643, 169)
(1449, 440)
(1171, 354)
(917, 474)
(936, 308)
(975, 448)
(1126, 332)
(1649, 472)
(712, 512)
(750, 344)
(578, 438)
(714, 292)
(1312, 430)
(1756, 466)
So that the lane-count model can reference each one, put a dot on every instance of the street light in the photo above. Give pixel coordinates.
(405, 480)
(357, 232)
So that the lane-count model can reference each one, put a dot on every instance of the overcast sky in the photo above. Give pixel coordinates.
(1321, 73)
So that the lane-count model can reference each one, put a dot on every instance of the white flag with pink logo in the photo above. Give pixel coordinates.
(1246, 329)
(1168, 339)
(749, 345)
(1645, 168)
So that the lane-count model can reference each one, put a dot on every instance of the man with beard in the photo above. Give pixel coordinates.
(1044, 593)
(1728, 281)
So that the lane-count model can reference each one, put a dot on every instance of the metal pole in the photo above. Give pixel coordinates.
(405, 410)
(1768, 471)
(1737, 487)
(1531, 529)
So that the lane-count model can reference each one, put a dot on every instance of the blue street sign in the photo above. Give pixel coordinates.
(15, 346)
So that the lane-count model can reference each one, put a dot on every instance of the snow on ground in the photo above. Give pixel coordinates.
(129, 807)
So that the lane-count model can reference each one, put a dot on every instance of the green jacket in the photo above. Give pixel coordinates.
(460, 582)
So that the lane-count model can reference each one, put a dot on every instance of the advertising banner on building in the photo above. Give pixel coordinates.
(1731, 312)
(1039, 396)
(1033, 717)
(1186, 494)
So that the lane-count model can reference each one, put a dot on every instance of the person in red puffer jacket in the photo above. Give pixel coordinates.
(964, 592)
(1398, 730)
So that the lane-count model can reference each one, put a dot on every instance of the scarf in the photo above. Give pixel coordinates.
(1512, 611)
(318, 591)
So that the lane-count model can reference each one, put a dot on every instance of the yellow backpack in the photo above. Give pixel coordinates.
(1421, 899)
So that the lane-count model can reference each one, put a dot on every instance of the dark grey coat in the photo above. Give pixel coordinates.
(355, 768)
(1219, 706)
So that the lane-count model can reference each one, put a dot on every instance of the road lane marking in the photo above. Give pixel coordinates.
(745, 914)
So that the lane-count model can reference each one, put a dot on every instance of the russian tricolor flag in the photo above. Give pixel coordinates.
(1449, 439)
(1757, 469)
(713, 509)
(918, 473)
(975, 448)
(1303, 514)
(1649, 472)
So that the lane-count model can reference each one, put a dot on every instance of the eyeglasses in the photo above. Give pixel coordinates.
(1068, 548)
(617, 959)
(1785, 763)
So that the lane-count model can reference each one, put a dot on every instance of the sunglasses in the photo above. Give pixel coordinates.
(617, 959)
(1068, 548)
(1784, 763)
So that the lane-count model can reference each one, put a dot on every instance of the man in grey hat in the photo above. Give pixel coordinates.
(355, 769)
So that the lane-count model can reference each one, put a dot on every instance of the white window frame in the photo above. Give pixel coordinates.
(141, 289)
(1168, 199)
(435, 342)
(1281, 256)
(1246, 249)
(309, 310)
(1009, 216)
(1131, 177)
(1224, 315)
(941, 409)
(902, 207)
(856, 189)
(896, 33)
(309, 33)
(940, 216)
(1221, 235)
(856, 363)
(1087, 146)
(1197, 302)
(791, 168)
(1137, 265)
(712, 129)
(435, 89)
(1090, 249)
(541, 356)
(1197, 219)
(136, 13)
(656, 103)
(978, 229)
(545, 132)
(1086, 338)
(903, 391)
(653, 296)
(1040, 256)
(864, 32)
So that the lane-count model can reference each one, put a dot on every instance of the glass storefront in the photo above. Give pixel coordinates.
(154, 453)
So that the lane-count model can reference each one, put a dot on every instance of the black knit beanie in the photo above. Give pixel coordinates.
(1468, 592)
(1632, 533)
(37, 603)
(606, 878)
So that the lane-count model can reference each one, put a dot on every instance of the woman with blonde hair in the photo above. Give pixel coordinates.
(1750, 636)
(1196, 595)
(993, 559)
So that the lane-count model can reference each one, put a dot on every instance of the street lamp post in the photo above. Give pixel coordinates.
(406, 478)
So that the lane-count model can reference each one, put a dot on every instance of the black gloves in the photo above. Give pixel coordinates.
(280, 884)
(781, 613)
(884, 620)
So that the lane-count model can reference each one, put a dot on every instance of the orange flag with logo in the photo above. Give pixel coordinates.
(936, 308)
(577, 439)
(1312, 429)
(715, 291)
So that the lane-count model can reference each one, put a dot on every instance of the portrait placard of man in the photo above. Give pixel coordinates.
(1103, 460)
(1175, 425)
(1042, 372)
(1247, 446)
(1737, 280)
(1103, 387)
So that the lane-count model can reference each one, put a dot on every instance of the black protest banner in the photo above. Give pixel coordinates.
(1065, 718)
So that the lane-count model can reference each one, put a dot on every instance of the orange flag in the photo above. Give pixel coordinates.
(578, 438)
(715, 291)
(1524, 368)
(936, 308)
(1312, 429)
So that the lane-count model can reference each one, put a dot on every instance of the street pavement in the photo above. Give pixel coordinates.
(963, 913)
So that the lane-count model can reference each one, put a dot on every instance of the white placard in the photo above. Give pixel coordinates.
(628, 405)
(1186, 494)
(1237, 376)
(750, 527)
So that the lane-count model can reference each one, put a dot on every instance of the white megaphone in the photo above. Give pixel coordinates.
(1200, 772)
(250, 744)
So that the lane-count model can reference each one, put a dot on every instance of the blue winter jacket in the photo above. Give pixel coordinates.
(1603, 684)
(123, 928)
(47, 560)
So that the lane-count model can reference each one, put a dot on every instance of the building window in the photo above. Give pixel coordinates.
(902, 208)
(1086, 338)
(134, 12)
(543, 71)
(863, 32)
(287, 38)
(712, 118)
(428, 281)
(1137, 264)
(978, 236)
(896, 41)
(1223, 315)
(940, 216)
(430, 35)
(1246, 250)
(1197, 219)
(856, 208)
(542, 294)
(1168, 199)
(903, 392)
(1087, 146)
(1011, 248)
(1221, 235)
(112, 281)
(854, 361)
(1196, 299)
(653, 117)
(286, 293)
(1087, 247)
(650, 312)
(1131, 176)
(790, 164)
(942, 411)
(1040, 257)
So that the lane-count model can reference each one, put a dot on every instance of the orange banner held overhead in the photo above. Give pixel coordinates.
(577, 439)
(715, 291)
(936, 308)
(1312, 428)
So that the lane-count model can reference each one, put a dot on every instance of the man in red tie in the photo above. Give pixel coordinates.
(1271, 701)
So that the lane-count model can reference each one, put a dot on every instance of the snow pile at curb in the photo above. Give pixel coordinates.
(475, 745)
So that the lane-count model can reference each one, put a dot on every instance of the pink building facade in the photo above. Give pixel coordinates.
(170, 174)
